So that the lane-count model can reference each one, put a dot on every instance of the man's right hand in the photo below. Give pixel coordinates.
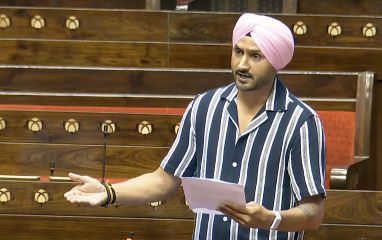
(89, 193)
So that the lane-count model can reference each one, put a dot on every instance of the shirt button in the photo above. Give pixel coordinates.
(225, 219)
(234, 164)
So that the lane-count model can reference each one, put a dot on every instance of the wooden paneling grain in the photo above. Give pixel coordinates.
(60, 228)
(131, 4)
(217, 29)
(349, 232)
(172, 81)
(89, 133)
(359, 7)
(81, 53)
(122, 161)
(23, 203)
(94, 25)
(305, 58)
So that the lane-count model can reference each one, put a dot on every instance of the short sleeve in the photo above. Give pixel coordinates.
(180, 161)
(306, 166)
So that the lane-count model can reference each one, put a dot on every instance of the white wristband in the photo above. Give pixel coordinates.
(276, 222)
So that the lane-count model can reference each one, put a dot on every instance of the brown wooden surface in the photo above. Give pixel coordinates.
(49, 227)
(122, 161)
(104, 101)
(24, 204)
(126, 131)
(359, 7)
(133, 4)
(217, 28)
(305, 58)
(94, 24)
(348, 232)
(348, 215)
(170, 26)
(79, 53)
(163, 81)
(341, 207)
(53, 227)
(374, 177)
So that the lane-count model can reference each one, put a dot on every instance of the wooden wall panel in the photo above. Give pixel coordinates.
(172, 81)
(78, 53)
(131, 4)
(122, 161)
(359, 7)
(348, 232)
(53, 131)
(217, 29)
(61, 228)
(305, 58)
(348, 215)
(375, 169)
(96, 100)
(101, 25)
(24, 204)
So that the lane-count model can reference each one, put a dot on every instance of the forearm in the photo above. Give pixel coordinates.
(147, 188)
(306, 216)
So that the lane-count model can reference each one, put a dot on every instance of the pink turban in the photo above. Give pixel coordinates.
(273, 37)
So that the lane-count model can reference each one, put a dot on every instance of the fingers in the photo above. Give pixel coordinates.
(78, 178)
(82, 200)
(233, 207)
(237, 217)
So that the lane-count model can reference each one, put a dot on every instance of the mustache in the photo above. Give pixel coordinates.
(245, 73)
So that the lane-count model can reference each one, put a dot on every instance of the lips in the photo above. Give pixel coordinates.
(243, 76)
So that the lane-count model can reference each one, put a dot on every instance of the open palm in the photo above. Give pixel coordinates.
(90, 192)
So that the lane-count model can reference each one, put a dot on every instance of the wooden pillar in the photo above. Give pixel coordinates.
(290, 6)
(153, 4)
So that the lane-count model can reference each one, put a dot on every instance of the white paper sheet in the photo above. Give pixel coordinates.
(205, 195)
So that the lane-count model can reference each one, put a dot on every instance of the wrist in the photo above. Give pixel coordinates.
(275, 221)
(110, 194)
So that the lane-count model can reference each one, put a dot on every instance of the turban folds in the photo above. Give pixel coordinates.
(272, 37)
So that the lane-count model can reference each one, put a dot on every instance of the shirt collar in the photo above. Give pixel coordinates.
(277, 100)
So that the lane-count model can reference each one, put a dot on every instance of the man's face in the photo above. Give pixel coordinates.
(250, 68)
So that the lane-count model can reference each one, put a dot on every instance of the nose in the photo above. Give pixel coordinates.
(243, 63)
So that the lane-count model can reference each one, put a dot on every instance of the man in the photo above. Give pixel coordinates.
(252, 132)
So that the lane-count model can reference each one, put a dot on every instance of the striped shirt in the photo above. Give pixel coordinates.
(280, 157)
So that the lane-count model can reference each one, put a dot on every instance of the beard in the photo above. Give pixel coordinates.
(245, 81)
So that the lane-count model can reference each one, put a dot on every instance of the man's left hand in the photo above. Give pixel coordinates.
(251, 215)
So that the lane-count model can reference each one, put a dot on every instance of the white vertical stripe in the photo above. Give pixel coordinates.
(191, 145)
(264, 158)
(270, 104)
(320, 145)
(280, 175)
(246, 157)
(177, 139)
(210, 113)
(305, 156)
(210, 226)
(294, 184)
(243, 176)
(221, 144)
(234, 229)
(198, 223)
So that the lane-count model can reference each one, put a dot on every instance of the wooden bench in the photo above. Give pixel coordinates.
(348, 215)
(144, 102)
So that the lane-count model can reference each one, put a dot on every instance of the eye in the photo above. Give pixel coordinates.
(256, 56)
(238, 51)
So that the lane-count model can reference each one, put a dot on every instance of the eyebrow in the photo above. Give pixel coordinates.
(250, 50)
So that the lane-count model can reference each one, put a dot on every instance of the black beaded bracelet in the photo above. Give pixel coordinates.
(108, 200)
(113, 194)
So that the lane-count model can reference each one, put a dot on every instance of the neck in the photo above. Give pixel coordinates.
(255, 98)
